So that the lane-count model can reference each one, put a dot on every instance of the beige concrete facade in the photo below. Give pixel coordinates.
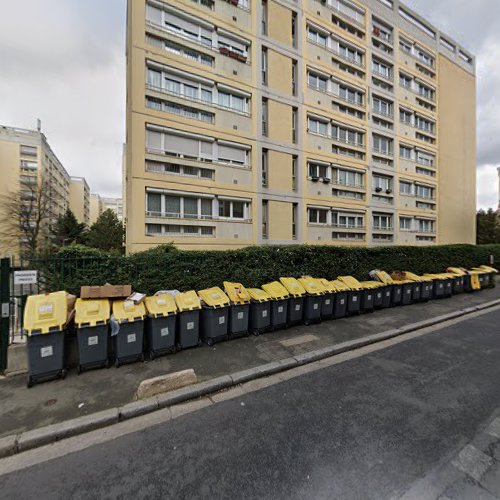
(26, 160)
(95, 208)
(283, 122)
(79, 199)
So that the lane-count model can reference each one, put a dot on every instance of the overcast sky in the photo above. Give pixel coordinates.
(63, 61)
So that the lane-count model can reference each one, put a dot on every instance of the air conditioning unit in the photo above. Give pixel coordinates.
(315, 179)
(378, 189)
(326, 180)
(388, 191)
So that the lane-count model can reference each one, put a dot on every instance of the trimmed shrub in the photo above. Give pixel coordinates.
(165, 268)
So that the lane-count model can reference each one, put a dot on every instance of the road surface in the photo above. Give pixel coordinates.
(415, 420)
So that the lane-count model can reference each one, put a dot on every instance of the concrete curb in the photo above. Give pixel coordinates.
(13, 444)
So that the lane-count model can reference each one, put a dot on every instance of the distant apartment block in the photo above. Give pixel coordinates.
(79, 199)
(115, 204)
(296, 121)
(27, 164)
(95, 208)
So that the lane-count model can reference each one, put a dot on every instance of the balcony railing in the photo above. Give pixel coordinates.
(344, 13)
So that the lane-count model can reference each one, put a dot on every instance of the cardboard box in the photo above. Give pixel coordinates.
(106, 291)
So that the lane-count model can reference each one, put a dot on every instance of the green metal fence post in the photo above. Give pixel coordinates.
(4, 311)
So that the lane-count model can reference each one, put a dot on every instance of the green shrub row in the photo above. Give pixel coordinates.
(166, 268)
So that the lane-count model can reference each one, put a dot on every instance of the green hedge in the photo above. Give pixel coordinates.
(165, 268)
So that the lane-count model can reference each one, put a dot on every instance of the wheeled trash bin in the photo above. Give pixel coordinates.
(188, 320)
(296, 302)
(341, 299)
(354, 296)
(92, 332)
(313, 300)
(260, 311)
(279, 304)
(45, 318)
(161, 325)
(239, 311)
(129, 340)
(492, 273)
(214, 315)
(329, 297)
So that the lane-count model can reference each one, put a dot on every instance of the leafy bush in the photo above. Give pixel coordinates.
(165, 267)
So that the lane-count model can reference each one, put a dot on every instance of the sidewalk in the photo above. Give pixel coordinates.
(53, 402)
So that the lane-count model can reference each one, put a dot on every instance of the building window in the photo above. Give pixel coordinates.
(347, 220)
(318, 171)
(295, 162)
(405, 152)
(264, 16)
(265, 116)
(294, 29)
(28, 151)
(230, 209)
(316, 36)
(405, 223)
(294, 78)
(382, 183)
(264, 65)
(294, 220)
(265, 167)
(265, 219)
(382, 144)
(318, 216)
(317, 82)
(425, 226)
(382, 107)
(316, 126)
(347, 177)
(382, 69)
(424, 192)
(348, 136)
(295, 113)
(382, 222)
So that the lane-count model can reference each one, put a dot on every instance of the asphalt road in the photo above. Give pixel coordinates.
(415, 419)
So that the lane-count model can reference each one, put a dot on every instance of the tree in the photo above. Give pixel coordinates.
(488, 227)
(25, 216)
(107, 233)
(67, 230)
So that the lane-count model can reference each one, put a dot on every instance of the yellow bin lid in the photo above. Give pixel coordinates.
(480, 270)
(327, 285)
(370, 285)
(457, 271)
(91, 312)
(339, 286)
(46, 313)
(236, 292)
(312, 286)
(384, 277)
(128, 310)
(214, 297)
(489, 269)
(259, 295)
(161, 305)
(276, 290)
(187, 301)
(351, 282)
(295, 289)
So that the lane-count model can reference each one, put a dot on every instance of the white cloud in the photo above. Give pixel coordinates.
(487, 184)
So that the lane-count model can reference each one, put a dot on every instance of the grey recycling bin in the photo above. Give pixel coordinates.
(397, 294)
(92, 331)
(45, 318)
(367, 299)
(260, 311)
(214, 315)
(129, 340)
(188, 320)
(407, 291)
(161, 325)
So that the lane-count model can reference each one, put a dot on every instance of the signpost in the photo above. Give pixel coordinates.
(25, 277)
(5, 311)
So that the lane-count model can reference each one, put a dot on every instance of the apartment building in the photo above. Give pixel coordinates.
(27, 163)
(296, 121)
(79, 199)
(95, 208)
(115, 204)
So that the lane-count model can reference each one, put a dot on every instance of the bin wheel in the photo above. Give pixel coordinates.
(29, 384)
(209, 342)
(107, 364)
(63, 374)
(117, 363)
(79, 370)
(307, 323)
(200, 343)
(179, 347)
(256, 333)
(151, 356)
(142, 358)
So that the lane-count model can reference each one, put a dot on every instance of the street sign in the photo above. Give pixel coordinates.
(25, 277)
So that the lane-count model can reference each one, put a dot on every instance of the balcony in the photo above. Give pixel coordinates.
(343, 13)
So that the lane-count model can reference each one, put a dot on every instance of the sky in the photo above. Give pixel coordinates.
(63, 61)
